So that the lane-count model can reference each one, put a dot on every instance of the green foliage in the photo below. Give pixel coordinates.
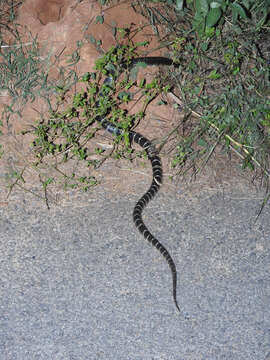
(66, 134)
(211, 13)
(232, 100)
(221, 48)
(223, 80)
(24, 75)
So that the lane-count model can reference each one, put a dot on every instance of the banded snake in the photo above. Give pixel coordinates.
(155, 160)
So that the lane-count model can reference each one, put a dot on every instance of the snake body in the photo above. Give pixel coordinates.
(155, 160)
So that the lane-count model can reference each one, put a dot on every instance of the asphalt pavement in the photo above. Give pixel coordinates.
(79, 282)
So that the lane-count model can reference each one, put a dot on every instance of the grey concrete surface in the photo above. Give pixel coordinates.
(79, 282)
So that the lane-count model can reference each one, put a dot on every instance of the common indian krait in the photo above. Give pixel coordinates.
(156, 167)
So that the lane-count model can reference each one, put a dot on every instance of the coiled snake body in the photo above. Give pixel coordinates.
(157, 174)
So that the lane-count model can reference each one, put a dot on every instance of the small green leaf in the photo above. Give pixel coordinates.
(246, 3)
(202, 142)
(142, 83)
(141, 43)
(141, 64)
(238, 10)
(179, 5)
(215, 5)
(204, 46)
(100, 19)
(236, 70)
(114, 30)
(202, 7)
(47, 182)
(214, 75)
(213, 17)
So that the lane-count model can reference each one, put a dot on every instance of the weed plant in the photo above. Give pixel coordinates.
(223, 80)
(222, 52)
(65, 135)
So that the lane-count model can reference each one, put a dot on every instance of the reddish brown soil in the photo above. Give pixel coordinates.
(59, 25)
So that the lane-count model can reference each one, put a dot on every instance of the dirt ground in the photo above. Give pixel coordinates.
(59, 25)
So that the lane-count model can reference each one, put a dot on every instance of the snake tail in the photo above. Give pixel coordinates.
(155, 160)
(144, 200)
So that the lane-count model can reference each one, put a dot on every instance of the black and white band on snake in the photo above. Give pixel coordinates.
(156, 167)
